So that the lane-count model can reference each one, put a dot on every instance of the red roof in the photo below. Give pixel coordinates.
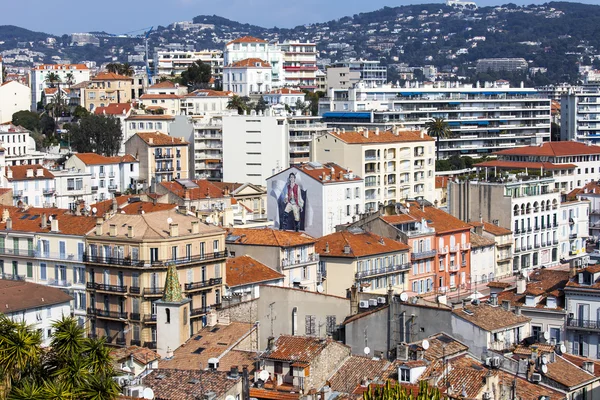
(160, 139)
(250, 62)
(111, 76)
(205, 189)
(68, 224)
(268, 237)
(163, 85)
(556, 149)
(209, 93)
(438, 219)
(50, 67)
(327, 173)
(113, 109)
(245, 270)
(368, 137)
(358, 244)
(441, 182)
(247, 39)
(97, 159)
(151, 96)
(19, 172)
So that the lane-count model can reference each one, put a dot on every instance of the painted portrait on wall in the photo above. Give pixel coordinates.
(291, 203)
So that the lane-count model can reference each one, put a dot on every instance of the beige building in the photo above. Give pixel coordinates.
(127, 260)
(103, 89)
(161, 103)
(503, 238)
(396, 165)
(162, 157)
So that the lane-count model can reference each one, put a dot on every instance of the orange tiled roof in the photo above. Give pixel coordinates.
(50, 67)
(247, 39)
(354, 137)
(441, 182)
(163, 85)
(19, 172)
(478, 241)
(436, 218)
(492, 228)
(300, 349)
(111, 76)
(206, 189)
(490, 318)
(567, 373)
(354, 370)
(142, 354)
(98, 159)
(360, 244)
(590, 188)
(160, 139)
(113, 109)
(245, 270)
(250, 62)
(285, 91)
(269, 237)
(398, 219)
(68, 224)
(102, 207)
(152, 96)
(566, 148)
(528, 390)
(144, 117)
(328, 173)
(188, 384)
(542, 283)
(209, 93)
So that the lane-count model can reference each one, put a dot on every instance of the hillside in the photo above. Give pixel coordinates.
(555, 35)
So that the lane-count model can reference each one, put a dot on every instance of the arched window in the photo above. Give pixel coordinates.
(452, 241)
(295, 321)
(168, 313)
(441, 243)
(463, 238)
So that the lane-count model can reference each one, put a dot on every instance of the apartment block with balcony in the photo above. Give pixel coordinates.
(161, 157)
(481, 119)
(291, 253)
(359, 258)
(372, 73)
(302, 131)
(300, 64)
(573, 229)
(580, 114)
(100, 177)
(126, 260)
(503, 239)
(207, 145)
(161, 103)
(527, 204)
(396, 165)
(32, 185)
(103, 89)
(46, 246)
(173, 62)
(591, 193)
(248, 47)
(248, 76)
(77, 72)
(206, 102)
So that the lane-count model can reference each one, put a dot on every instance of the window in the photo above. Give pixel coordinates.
(168, 315)
(153, 254)
(278, 368)
(310, 325)
(404, 375)
(71, 184)
(330, 324)
(535, 331)
(29, 270)
(43, 272)
(348, 210)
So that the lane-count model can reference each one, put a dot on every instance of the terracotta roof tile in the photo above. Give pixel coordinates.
(591, 188)
(68, 224)
(50, 67)
(19, 172)
(398, 219)
(142, 354)
(499, 285)
(98, 159)
(268, 237)
(113, 109)
(523, 350)
(441, 182)
(478, 241)
(302, 349)
(492, 228)
(144, 117)
(160, 139)
(145, 207)
(163, 85)
(594, 284)
(250, 63)
(566, 148)
(360, 244)
(247, 39)
(436, 218)
(567, 373)
(354, 137)
(354, 369)
(188, 384)
(206, 189)
(245, 270)
(111, 76)
(154, 96)
(528, 390)
(267, 394)
(209, 93)
(577, 360)
(328, 173)
(21, 295)
(442, 345)
(490, 318)
(542, 283)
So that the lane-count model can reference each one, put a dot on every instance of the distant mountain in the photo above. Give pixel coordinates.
(557, 36)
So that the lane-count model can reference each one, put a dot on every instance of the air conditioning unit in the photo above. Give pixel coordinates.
(486, 396)
(134, 393)
(363, 304)
(536, 378)
(381, 300)
(496, 362)
(372, 302)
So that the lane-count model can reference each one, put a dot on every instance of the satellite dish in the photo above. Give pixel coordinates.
(148, 394)
(169, 220)
(229, 397)
(403, 296)
(88, 207)
(50, 218)
(563, 348)
(425, 344)
(94, 210)
(367, 351)
(544, 360)
(126, 369)
(546, 335)
(320, 288)
(544, 369)
(263, 375)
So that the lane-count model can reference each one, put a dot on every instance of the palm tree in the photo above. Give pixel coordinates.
(70, 79)
(237, 103)
(52, 79)
(113, 67)
(126, 69)
(438, 128)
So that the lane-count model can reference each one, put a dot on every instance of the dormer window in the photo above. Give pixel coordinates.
(530, 301)
(584, 278)
(404, 374)
(551, 302)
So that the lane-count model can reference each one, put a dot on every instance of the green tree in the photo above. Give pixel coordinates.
(197, 76)
(27, 119)
(52, 79)
(47, 125)
(79, 112)
(438, 128)
(96, 134)
(126, 69)
(261, 104)
(391, 391)
(238, 103)
(113, 67)
(70, 79)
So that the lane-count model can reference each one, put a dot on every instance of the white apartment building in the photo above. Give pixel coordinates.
(206, 101)
(250, 47)
(529, 206)
(482, 119)
(571, 164)
(173, 62)
(167, 87)
(347, 73)
(14, 96)
(331, 196)
(254, 147)
(78, 72)
(285, 96)
(161, 103)
(302, 130)
(139, 123)
(591, 193)
(32, 185)
(72, 188)
(574, 228)
(579, 114)
(396, 165)
(300, 64)
(247, 76)
(109, 175)
(206, 152)
(15, 141)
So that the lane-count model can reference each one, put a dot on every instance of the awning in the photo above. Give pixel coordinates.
(346, 115)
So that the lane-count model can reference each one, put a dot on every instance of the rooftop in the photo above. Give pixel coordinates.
(442, 345)
(188, 384)
(247, 39)
(142, 355)
(154, 96)
(490, 318)
(163, 85)
(371, 137)
(98, 159)
(492, 228)
(478, 241)
(436, 218)
(300, 349)
(19, 172)
(160, 139)
(199, 189)
(542, 283)
(250, 63)
(113, 109)
(528, 390)
(504, 164)
(268, 237)
(31, 219)
(110, 76)
(356, 244)
(21, 295)
(209, 93)
(356, 368)
(327, 173)
(553, 149)
(245, 270)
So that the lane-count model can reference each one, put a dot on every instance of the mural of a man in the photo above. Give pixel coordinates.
(293, 202)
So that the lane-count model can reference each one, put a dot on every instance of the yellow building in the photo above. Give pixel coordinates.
(105, 88)
(127, 258)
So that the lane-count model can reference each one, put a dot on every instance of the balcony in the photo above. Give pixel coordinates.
(454, 268)
(463, 263)
(12, 277)
(134, 290)
(465, 246)
(111, 174)
(555, 241)
(455, 248)
(419, 255)
(102, 174)
(382, 271)
(150, 345)
(112, 188)
(126, 261)
(203, 284)
(311, 259)
(17, 193)
(153, 291)
(107, 288)
(48, 191)
(584, 324)
(197, 312)
(149, 318)
(165, 169)
(94, 188)
(572, 236)
(120, 315)
(134, 316)
(443, 250)
(162, 156)
(59, 283)
(17, 252)
(135, 342)
(121, 341)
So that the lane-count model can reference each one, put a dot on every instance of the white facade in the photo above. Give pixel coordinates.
(254, 147)
(32, 185)
(73, 186)
(579, 114)
(249, 47)
(173, 63)
(247, 76)
(79, 72)
(372, 73)
(481, 119)
(14, 97)
(591, 193)
(332, 196)
(300, 64)
(483, 262)
(203, 102)
(574, 228)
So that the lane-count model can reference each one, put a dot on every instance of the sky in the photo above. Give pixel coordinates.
(125, 16)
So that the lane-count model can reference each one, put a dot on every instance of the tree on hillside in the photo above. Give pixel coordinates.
(96, 134)
(437, 128)
(73, 367)
(27, 119)
(197, 76)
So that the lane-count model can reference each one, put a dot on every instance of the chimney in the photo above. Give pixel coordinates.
(99, 222)
(186, 194)
(245, 384)
(326, 247)
(354, 300)
(54, 225)
(150, 140)
(112, 230)
(173, 230)
(366, 133)
(115, 205)
(521, 284)
(347, 249)
(505, 304)
(518, 310)
(396, 130)
(8, 224)
(422, 135)
(5, 215)
(494, 299)
(40, 172)
(195, 227)
(377, 131)
(29, 173)
(44, 221)
(572, 270)
(130, 231)
(9, 173)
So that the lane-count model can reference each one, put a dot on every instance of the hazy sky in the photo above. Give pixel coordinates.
(123, 16)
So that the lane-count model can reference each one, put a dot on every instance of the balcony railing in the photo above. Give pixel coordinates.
(112, 188)
(150, 345)
(443, 250)
(134, 316)
(17, 193)
(107, 288)
(419, 255)
(455, 248)
(149, 318)
(572, 236)
(134, 342)
(134, 290)
(163, 156)
(125, 261)
(107, 314)
(59, 282)
(48, 191)
(312, 258)
(584, 324)
(17, 252)
(203, 284)
(465, 246)
(12, 277)
(194, 312)
(382, 271)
